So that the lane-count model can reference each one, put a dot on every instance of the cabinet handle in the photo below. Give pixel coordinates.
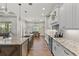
(58, 45)
(66, 52)
(55, 48)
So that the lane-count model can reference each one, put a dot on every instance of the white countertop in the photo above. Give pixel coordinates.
(12, 41)
(50, 32)
(72, 45)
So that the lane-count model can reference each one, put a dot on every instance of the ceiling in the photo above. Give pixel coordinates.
(30, 12)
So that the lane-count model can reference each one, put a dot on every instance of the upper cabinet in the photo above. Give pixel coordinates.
(76, 15)
(66, 16)
(54, 16)
(69, 16)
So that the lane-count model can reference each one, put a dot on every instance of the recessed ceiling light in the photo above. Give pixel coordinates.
(3, 7)
(43, 8)
(25, 11)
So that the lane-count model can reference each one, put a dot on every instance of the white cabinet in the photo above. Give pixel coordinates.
(76, 15)
(67, 52)
(47, 38)
(59, 50)
(54, 47)
(61, 18)
(66, 15)
(69, 16)
(54, 16)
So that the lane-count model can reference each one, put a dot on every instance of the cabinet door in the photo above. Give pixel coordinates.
(50, 43)
(68, 53)
(77, 11)
(47, 38)
(61, 19)
(54, 47)
(57, 14)
(57, 49)
(76, 15)
(67, 15)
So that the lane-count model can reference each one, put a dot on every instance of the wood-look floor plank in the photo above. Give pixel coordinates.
(39, 48)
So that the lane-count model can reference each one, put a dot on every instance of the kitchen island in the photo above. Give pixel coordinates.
(14, 46)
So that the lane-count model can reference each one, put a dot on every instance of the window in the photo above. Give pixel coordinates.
(5, 27)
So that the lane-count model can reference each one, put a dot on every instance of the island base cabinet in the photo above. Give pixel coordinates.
(14, 50)
(10, 50)
(25, 49)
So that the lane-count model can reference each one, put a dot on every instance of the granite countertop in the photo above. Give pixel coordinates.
(72, 45)
(12, 41)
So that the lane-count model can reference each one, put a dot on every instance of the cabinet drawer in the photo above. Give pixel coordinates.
(60, 50)
(65, 52)
(68, 53)
(57, 49)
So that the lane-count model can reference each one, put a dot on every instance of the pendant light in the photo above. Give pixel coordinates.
(4, 10)
(8, 12)
(21, 26)
(19, 11)
(6, 7)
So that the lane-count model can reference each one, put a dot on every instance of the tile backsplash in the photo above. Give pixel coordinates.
(71, 34)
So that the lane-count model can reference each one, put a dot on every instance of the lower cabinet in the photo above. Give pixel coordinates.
(50, 43)
(59, 50)
(46, 38)
(68, 53)
(25, 48)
